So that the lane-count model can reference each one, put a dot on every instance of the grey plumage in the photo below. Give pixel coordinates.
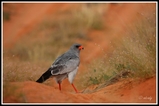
(65, 66)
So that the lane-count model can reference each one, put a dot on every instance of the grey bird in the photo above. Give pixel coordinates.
(65, 66)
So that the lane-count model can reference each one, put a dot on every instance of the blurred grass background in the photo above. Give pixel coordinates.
(133, 56)
(35, 52)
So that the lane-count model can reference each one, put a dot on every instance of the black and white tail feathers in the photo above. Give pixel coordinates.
(45, 76)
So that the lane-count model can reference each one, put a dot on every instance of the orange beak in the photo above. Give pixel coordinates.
(81, 47)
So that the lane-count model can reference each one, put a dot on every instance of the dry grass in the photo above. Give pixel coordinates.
(135, 54)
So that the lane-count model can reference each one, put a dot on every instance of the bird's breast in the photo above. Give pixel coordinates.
(72, 74)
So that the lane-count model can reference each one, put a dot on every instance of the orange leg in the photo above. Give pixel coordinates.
(74, 88)
(59, 86)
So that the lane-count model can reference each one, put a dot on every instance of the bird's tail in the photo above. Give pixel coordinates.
(45, 76)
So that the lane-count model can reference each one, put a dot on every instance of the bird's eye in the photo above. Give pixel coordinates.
(77, 46)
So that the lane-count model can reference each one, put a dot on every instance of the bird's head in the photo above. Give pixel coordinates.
(77, 47)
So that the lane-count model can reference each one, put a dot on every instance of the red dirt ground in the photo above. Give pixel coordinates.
(26, 16)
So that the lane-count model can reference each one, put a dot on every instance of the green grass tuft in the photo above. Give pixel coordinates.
(6, 15)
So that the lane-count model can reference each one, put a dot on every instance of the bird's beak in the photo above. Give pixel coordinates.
(81, 47)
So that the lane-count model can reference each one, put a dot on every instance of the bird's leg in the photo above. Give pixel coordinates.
(59, 86)
(74, 88)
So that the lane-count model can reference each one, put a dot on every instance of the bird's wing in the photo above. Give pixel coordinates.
(64, 64)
